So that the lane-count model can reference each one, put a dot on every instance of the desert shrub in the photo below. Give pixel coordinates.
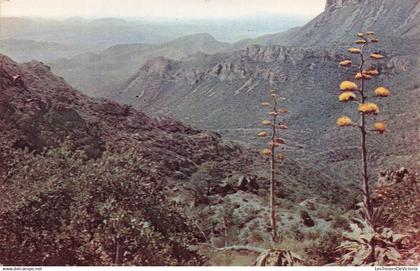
(340, 222)
(313, 235)
(59, 208)
(286, 204)
(297, 234)
(323, 250)
(324, 213)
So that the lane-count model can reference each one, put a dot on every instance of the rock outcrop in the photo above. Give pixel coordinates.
(339, 3)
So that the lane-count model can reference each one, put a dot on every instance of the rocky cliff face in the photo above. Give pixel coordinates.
(339, 3)
(390, 19)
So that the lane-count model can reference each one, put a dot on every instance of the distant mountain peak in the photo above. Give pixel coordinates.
(198, 38)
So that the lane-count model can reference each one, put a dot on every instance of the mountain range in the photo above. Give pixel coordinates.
(222, 91)
(94, 72)
(105, 32)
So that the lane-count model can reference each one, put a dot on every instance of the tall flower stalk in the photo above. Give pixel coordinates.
(272, 152)
(366, 109)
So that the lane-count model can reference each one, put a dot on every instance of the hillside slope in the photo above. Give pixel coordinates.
(104, 180)
(27, 50)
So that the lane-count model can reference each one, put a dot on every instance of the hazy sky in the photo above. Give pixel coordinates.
(172, 9)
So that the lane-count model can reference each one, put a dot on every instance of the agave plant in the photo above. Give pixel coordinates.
(357, 91)
(378, 216)
(278, 257)
(364, 245)
(272, 153)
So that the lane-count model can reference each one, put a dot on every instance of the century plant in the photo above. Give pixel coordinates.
(272, 122)
(364, 245)
(357, 91)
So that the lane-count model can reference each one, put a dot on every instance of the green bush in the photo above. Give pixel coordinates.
(60, 208)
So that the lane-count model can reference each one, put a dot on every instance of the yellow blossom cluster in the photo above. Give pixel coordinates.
(344, 121)
(345, 63)
(379, 127)
(281, 156)
(372, 72)
(382, 92)
(347, 96)
(262, 134)
(354, 50)
(348, 86)
(376, 56)
(369, 108)
(266, 152)
(272, 121)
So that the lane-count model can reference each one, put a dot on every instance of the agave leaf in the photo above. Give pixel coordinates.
(368, 236)
(347, 258)
(358, 220)
(296, 256)
(348, 245)
(262, 259)
(359, 204)
(287, 258)
(393, 254)
(377, 212)
(398, 237)
(380, 255)
(362, 255)
(387, 233)
(354, 234)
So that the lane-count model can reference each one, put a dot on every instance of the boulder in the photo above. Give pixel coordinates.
(247, 184)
